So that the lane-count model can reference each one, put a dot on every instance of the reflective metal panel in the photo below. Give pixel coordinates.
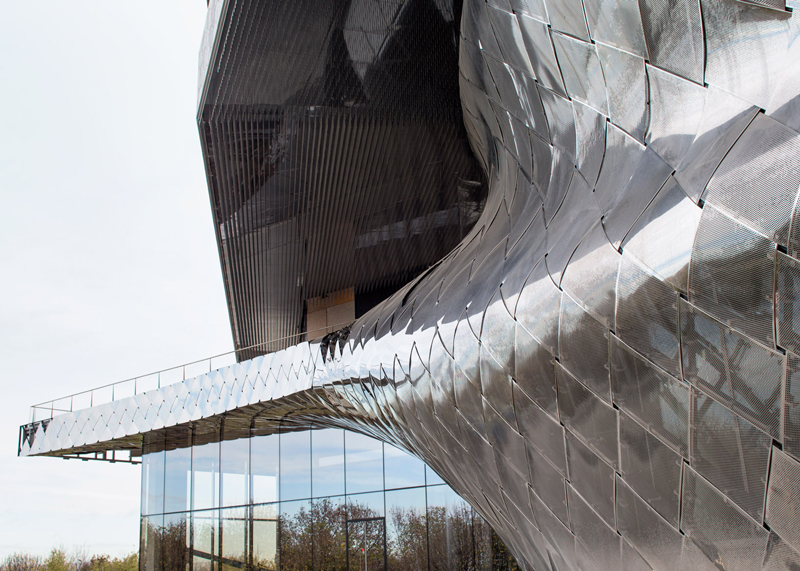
(730, 453)
(719, 529)
(592, 477)
(744, 375)
(627, 90)
(617, 24)
(783, 498)
(673, 31)
(567, 16)
(713, 287)
(647, 315)
(659, 542)
(651, 468)
(589, 417)
(583, 76)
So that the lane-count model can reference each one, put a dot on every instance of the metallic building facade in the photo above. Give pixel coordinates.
(606, 365)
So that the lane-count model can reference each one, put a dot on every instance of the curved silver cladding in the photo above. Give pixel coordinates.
(606, 368)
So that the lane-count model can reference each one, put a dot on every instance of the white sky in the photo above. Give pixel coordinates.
(108, 262)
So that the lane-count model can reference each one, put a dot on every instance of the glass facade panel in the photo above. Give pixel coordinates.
(483, 544)
(431, 477)
(265, 537)
(205, 537)
(449, 530)
(295, 465)
(175, 543)
(407, 530)
(264, 464)
(205, 476)
(153, 483)
(294, 531)
(327, 462)
(401, 469)
(363, 506)
(366, 544)
(363, 463)
(409, 527)
(177, 480)
(150, 556)
(329, 516)
(234, 541)
(234, 461)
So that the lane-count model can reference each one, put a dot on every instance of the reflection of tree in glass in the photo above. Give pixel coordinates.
(451, 543)
(408, 547)
(324, 527)
(174, 551)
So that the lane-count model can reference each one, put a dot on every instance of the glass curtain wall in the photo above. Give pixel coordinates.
(323, 499)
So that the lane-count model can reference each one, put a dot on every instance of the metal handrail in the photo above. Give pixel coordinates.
(50, 405)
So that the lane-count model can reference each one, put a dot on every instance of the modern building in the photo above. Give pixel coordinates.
(550, 248)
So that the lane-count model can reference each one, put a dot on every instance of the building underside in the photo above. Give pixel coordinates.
(605, 362)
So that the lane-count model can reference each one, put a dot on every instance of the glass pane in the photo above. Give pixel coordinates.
(175, 542)
(177, 480)
(363, 463)
(407, 531)
(151, 542)
(205, 475)
(431, 477)
(329, 516)
(265, 537)
(234, 458)
(449, 530)
(295, 535)
(205, 527)
(366, 545)
(363, 506)
(401, 469)
(234, 539)
(264, 468)
(295, 465)
(327, 462)
(153, 483)
(483, 543)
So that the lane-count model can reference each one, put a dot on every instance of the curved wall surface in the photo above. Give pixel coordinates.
(606, 367)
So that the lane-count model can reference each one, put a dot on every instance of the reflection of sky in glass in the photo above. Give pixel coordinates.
(177, 480)
(264, 468)
(292, 509)
(431, 477)
(205, 472)
(406, 501)
(327, 462)
(234, 460)
(295, 465)
(364, 463)
(401, 469)
(365, 505)
(153, 483)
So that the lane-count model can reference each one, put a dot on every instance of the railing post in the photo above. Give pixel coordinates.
(159, 379)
